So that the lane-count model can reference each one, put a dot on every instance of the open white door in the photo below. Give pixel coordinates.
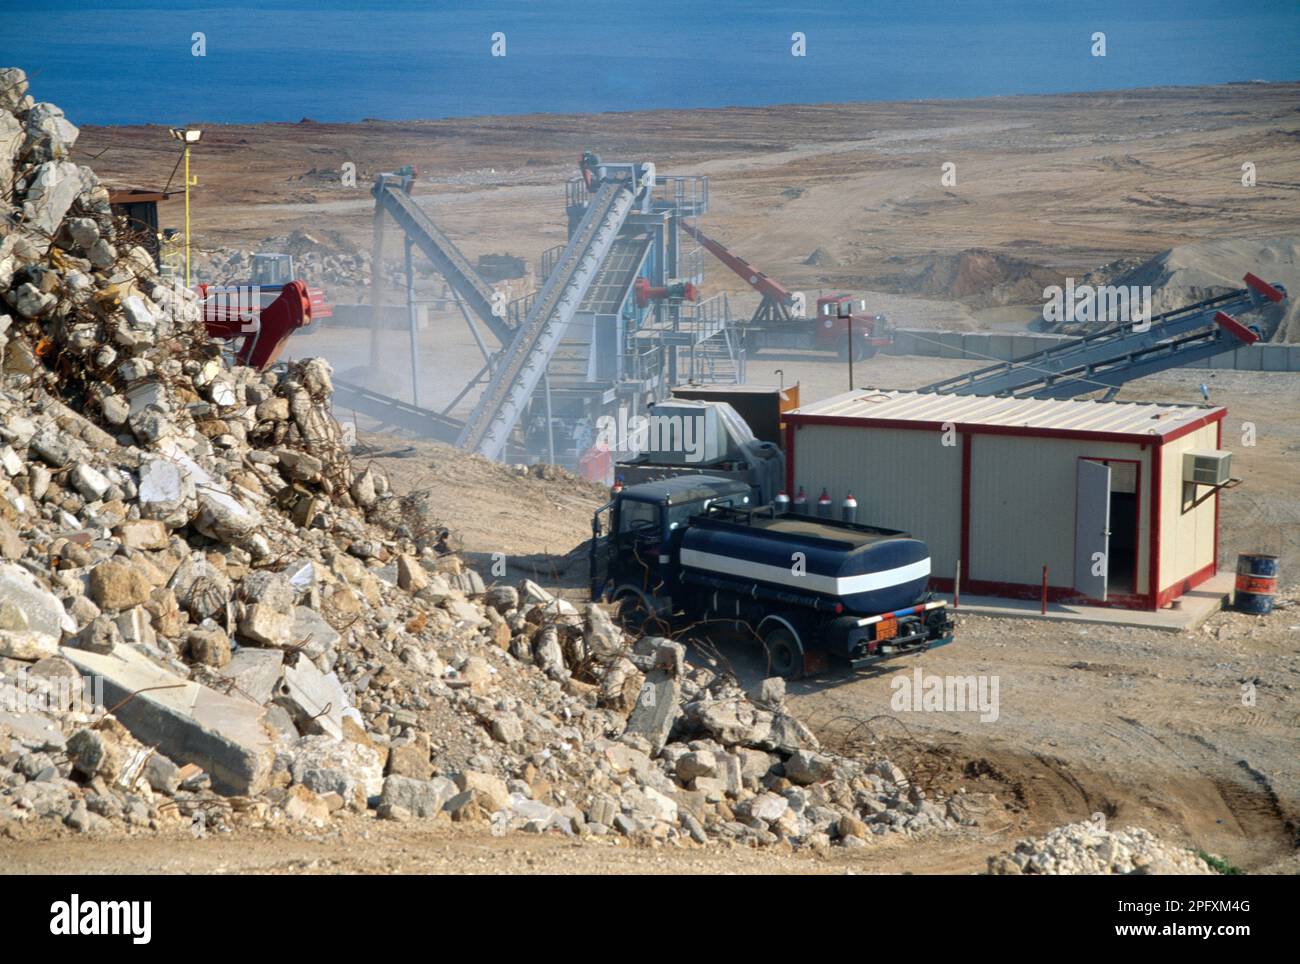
(1092, 529)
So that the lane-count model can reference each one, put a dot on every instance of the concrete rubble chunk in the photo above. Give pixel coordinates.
(603, 636)
(269, 588)
(185, 720)
(210, 647)
(255, 673)
(421, 798)
(490, 789)
(52, 191)
(312, 632)
(656, 709)
(50, 135)
(165, 493)
(223, 517)
(117, 585)
(266, 625)
(41, 610)
(805, 767)
(200, 588)
(325, 765)
(141, 534)
(101, 635)
(315, 700)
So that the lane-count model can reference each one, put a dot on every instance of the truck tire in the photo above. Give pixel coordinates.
(635, 613)
(784, 650)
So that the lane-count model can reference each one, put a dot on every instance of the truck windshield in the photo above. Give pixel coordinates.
(678, 514)
(636, 516)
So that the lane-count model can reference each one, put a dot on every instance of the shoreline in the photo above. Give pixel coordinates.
(995, 99)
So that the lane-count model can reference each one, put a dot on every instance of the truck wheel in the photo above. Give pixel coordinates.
(784, 652)
(635, 614)
(866, 350)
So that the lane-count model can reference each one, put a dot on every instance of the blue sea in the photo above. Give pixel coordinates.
(132, 61)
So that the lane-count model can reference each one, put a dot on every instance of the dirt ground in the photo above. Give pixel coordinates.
(368, 846)
(1066, 183)
(1144, 727)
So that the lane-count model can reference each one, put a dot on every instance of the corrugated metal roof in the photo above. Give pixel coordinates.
(1139, 419)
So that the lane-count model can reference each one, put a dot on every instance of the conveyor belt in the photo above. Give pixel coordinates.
(525, 361)
(393, 411)
(446, 257)
(1110, 357)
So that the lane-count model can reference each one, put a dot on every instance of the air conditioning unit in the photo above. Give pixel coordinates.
(1207, 467)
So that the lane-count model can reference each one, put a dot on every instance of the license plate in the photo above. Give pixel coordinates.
(887, 628)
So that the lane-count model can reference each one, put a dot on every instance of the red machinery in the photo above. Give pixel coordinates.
(646, 292)
(228, 313)
(774, 324)
(777, 299)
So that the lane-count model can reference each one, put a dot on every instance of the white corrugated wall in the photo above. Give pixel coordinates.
(1023, 502)
(1022, 494)
(902, 479)
(1186, 535)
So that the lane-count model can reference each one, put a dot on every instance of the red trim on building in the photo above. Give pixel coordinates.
(1190, 427)
(964, 550)
(1034, 591)
(916, 425)
(1218, 444)
(1157, 510)
(1170, 593)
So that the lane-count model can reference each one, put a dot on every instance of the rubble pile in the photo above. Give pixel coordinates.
(324, 258)
(210, 616)
(1084, 848)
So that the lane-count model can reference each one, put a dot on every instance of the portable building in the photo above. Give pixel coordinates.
(1118, 500)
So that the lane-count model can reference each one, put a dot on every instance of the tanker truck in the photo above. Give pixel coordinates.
(696, 549)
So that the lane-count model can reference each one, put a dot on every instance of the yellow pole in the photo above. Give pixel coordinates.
(187, 215)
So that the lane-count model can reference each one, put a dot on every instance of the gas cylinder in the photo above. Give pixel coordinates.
(824, 505)
(849, 509)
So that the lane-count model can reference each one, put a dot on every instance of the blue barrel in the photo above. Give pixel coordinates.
(1256, 583)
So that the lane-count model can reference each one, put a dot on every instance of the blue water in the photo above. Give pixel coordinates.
(130, 61)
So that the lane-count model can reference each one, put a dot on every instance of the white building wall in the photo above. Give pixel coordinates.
(902, 479)
(1023, 507)
(1186, 534)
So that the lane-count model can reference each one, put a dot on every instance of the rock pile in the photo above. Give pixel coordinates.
(209, 615)
(1083, 848)
(323, 258)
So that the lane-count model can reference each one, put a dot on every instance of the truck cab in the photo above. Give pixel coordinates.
(696, 549)
(635, 534)
(871, 332)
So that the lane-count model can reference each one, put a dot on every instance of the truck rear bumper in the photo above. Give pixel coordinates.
(907, 632)
(894, 651)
